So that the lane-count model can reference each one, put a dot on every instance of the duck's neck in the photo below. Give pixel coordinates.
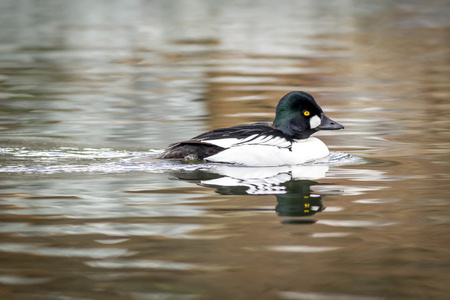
(293, 129)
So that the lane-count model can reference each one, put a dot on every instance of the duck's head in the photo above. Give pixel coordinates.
(298, 116)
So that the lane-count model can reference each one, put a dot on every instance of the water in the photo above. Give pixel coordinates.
(91, 92)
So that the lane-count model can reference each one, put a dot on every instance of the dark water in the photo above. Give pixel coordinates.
(92, 91)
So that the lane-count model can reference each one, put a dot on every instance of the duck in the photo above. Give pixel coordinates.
(285, 141)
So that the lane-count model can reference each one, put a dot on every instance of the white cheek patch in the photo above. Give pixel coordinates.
(314, 122)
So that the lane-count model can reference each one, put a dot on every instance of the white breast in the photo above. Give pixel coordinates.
(268, 155)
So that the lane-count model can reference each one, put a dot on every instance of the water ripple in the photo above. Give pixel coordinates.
(177, 231)
(151, 264)
(322, 296)
(39, 249)
(355, 223)
(301, 249)
(17, 280)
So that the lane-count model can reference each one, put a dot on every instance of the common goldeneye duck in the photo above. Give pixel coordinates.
(286, 141)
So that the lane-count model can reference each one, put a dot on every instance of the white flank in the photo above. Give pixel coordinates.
(314, 122)
(269, 155)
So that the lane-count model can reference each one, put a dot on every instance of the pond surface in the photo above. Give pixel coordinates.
(92, 91)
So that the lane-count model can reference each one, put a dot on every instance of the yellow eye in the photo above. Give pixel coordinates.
(306, 113)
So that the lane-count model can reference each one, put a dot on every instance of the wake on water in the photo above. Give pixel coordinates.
(107, 160)
(256, 180)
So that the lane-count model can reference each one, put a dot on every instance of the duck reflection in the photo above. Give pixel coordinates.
(299, 201)
(291, 185)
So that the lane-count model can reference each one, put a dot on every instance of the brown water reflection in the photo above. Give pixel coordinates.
(87, 88)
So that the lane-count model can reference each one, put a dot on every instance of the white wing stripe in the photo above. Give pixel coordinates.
(267, 141)
(263, 140)
(248, 138)
(259, 140)
(224, 143)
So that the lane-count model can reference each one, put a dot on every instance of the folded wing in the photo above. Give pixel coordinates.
(215, 141)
